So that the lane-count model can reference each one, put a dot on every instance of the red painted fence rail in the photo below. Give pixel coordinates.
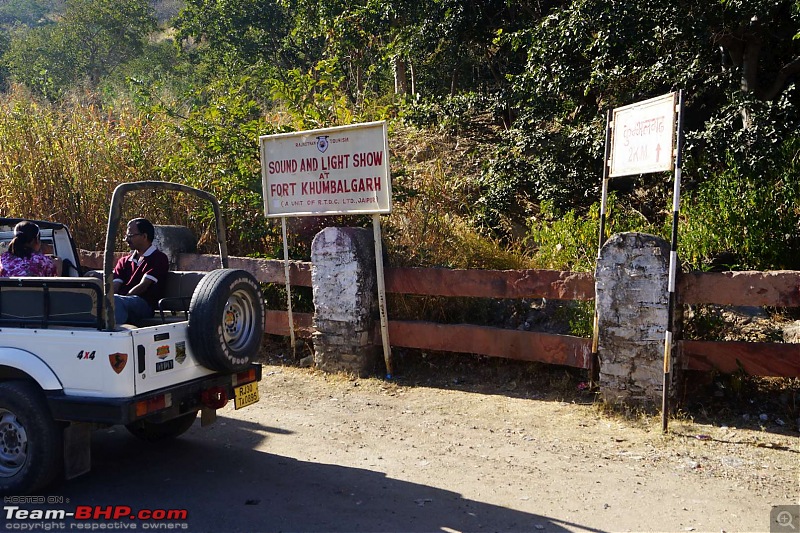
(778, 288)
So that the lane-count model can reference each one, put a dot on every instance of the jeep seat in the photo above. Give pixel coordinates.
(178, 290)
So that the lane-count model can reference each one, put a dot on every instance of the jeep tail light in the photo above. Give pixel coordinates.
(214, 398)
(244, 377)
(151, 405)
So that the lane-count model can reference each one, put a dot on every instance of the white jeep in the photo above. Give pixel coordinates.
(66, 368)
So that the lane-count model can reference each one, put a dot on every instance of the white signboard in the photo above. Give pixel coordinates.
(331, 171)
(643, 137)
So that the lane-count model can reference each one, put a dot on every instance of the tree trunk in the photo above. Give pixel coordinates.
(400, 76)
(752, 50)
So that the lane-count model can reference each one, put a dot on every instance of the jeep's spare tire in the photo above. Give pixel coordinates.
(226, 320)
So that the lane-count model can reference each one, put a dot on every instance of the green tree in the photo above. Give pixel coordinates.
(218, 152)
(230, 33)
(757, 39)
(375, 47)
(428, 48)
(90, 40)
(107, 33)
(585, 57)
(25, 12)
(38, 58)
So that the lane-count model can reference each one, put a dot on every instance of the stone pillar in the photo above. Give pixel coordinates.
(631, 283)
(345, 300)
(174, 240)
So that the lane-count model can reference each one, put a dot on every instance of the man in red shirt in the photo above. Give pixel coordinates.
(139, 277)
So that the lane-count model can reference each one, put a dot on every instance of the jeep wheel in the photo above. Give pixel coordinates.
(226, 320)
(30, 440)
(157, 431)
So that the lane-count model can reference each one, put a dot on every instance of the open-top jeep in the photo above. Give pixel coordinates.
(66, 367)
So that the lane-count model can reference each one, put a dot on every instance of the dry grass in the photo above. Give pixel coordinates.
(433, 187)
(63, 163)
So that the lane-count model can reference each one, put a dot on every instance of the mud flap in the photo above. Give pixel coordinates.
(77, 449)
(207, 416)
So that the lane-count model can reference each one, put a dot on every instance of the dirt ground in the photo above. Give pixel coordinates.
(554, 459)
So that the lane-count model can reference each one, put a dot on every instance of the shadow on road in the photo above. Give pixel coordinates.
(227, 485)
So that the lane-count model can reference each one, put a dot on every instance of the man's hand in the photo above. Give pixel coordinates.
(141, 288)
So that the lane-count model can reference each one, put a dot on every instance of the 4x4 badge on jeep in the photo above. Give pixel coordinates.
(118, 361)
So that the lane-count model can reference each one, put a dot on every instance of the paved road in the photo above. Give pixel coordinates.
(327, 453)
(228, 481)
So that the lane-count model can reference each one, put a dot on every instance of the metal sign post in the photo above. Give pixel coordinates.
(288, 286)
(387, 349)
(594, 369)
(673, 269)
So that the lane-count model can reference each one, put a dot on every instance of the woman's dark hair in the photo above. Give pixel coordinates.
(25, 234)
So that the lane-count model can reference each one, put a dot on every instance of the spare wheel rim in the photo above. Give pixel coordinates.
(238, 320)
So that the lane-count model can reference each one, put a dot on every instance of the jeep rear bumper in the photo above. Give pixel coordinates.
(158, 405)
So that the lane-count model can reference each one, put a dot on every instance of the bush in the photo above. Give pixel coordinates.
(754, 220)
(563, 240)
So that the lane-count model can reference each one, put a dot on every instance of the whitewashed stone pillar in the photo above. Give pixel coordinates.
(631, 282)
(174, 240)
(345, 300)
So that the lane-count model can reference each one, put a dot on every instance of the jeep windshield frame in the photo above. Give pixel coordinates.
(114, 216)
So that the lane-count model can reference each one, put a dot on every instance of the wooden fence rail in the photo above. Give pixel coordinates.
(513, 344)
(777, 288)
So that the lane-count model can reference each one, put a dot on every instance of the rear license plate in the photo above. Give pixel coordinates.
(245, 395)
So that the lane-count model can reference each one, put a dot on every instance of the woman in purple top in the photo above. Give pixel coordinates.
(24, 256)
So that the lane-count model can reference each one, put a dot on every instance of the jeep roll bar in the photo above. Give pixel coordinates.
(114, 216)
